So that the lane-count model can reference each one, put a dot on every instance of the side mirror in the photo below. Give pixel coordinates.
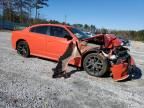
(68, 37)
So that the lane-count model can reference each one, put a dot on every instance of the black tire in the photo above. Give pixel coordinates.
(95, 64)
(23, 49)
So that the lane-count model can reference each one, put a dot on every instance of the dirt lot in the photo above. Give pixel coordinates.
(27, 83)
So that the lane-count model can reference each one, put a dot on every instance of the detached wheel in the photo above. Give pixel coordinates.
(95, 64)
(23, 49)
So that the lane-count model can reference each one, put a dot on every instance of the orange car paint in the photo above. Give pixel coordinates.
(120, 71)
(44, 45)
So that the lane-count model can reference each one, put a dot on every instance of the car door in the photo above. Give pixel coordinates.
(37, 39)
(57, 42)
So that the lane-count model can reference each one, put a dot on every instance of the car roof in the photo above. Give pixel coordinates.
(59, 25)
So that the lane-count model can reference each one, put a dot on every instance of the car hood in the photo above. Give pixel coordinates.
(92, 38)
(104, 39)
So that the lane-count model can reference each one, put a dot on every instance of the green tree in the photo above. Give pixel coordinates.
(93, 29)
(38, 4)
(7, 7)
(104, 31)
(78, 26)
(86, 27)
(24, 8)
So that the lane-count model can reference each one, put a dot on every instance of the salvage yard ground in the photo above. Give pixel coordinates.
(27, 83)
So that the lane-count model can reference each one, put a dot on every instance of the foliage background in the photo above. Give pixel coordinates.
(17, 14)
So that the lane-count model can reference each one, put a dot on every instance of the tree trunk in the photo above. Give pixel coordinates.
(21, 12)
(29, 19)
(36, 13)
(36, 9)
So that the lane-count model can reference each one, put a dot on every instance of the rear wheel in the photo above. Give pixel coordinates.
(95, 64)
(23, 49)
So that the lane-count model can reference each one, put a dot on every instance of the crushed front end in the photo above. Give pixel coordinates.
(121, 63)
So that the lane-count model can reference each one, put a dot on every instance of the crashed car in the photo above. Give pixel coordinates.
(101, 54)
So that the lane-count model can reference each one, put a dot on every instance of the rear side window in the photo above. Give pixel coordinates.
(58, 32)
(41, 30)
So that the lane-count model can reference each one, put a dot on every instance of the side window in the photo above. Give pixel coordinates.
(59, 32)
(41, 30)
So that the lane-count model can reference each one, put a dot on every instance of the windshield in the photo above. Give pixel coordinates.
(80, 35)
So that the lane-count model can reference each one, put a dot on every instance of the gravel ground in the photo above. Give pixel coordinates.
(27, 83)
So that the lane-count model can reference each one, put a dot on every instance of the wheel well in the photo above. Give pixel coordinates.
(19, 41)
(84, 55)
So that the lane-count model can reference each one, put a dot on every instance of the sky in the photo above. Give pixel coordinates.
(111, 14)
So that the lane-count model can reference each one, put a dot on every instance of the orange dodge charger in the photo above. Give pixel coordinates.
(51, 40)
